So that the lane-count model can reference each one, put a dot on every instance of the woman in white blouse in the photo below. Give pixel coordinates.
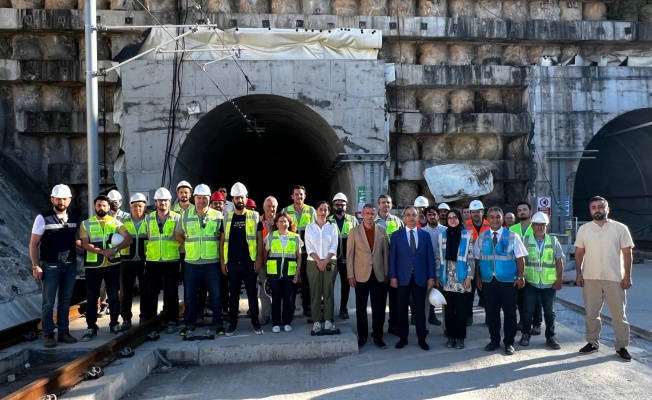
(321, 246)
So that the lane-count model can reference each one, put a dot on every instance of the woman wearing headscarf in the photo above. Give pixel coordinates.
(454, 272)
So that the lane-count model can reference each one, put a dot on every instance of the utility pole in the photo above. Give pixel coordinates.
(93, 167)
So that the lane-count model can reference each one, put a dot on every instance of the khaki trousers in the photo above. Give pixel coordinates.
(596, 293)
(321, 285)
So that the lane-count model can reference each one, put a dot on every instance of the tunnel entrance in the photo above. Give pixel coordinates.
(621, 173)
(294, 146)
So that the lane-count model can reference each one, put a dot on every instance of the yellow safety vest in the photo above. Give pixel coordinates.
(540, 269)
(100, 238)
(251, 220)
(286, 257)
(201, 240)
(136, 249)
(349, 222)
(162, 246)
(307, 216)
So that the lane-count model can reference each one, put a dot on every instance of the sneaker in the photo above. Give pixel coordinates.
(588, 349)
(231, 330)
(89, 335)
(344, 314)
(171, 328)
(316, 327)
(536, 330)
(450, 343)
(49, 342)
(276, 329)
(66, 337)
(188, 329)
(459, 344)
(624, 354)
(525, 340)
(115, 329)
(126, 325)
(553, 343)
(328, 326)
(257, 329)
(264, 320)
(287, 328)
(219, 330)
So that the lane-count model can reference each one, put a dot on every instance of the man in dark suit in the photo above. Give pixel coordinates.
(367, 258)
(411, 271)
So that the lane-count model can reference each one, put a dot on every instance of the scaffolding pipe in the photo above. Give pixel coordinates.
(92, 148)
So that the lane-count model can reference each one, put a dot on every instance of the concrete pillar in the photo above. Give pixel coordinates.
(432, 101)
(256, 7)
(429, 8)
(515, 55)
(516, 10)
(372, 7)
(437, 149)
(594, 11)
(344, 7)
(460, 8)
(544, 9)
(488, 9)
(489, 54)
(570, 10)
(285, 6)
(27, 4)
(462, 101)
(433, 53)
(215, 6)
(403, 8)
(460, 54)
(60, 4)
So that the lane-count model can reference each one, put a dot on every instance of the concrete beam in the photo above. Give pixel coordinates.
(503, 170)
(76, 173)
(54, 71)
(41, 123)
(461, 124)
(456, 76)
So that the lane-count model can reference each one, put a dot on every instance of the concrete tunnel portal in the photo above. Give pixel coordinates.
(294, 146)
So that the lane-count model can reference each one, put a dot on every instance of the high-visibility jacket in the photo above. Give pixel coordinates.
(468, 225)
(540, 268)
(349, 222)
(136, 250)
(392, 224)
(308, 216)
(101, 238)
(251, 222)
(282, 261)
(500, 260)
(462, 264)
(177, 208)
(201, 234)
(517, 228)
(162, 246)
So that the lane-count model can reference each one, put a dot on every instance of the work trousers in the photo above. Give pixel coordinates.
(500, 296)
(322, 285)
(242, 272)
(94, 277)
(596, 293)
(58, 283)
(265, 301)
(129, 271)
(282, 310)
(169, 272)
(533, 299)
(403, 300)
(345, 289)
(376, 291)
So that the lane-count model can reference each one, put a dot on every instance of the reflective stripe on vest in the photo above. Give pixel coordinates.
(135, 248)
(162, 246)
(251, 220)
(201, 241)
(499, 261)
(462, 265)
(100, 238)
(540, 270)
(284, 257)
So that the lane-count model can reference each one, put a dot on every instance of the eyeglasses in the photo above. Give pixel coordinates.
(452, 218)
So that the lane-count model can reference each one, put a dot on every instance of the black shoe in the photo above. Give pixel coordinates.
(553, 343)
(186, 329)
(624, 354)
(401, 343)
(450, 343)
(469, 321)
(361, 343)
(392, 330)
(89, 335)
(424, 345)
(380, 344)
(433, 320)
(231, 330)
(588, 349)
(344, 314)
(66, 337)
(219, 330)
(459, 344)
(49, 342)
(492, 346)
(536, 330)
(257, 329)
(509, 350)
(525, 340)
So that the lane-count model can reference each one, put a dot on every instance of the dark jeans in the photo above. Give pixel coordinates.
(129, 271)
(304, 284)
(470, 297)
(403, 299)
(532, 296)
(392, 294)
(345, 289)
(500, 296)
(455, 314)
(225, 293)
(239, 272)
(169, 272)
(58, 283)
(363, 291)
(536, 317)
(94, 277)
(211, 276)
(282, 290)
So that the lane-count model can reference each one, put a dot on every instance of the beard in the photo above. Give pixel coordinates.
(114, 207)
(599, 216)
(240, 206)
(100, 213)
(61, 207)
(339, 211)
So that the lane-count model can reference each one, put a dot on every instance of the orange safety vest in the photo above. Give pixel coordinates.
(471, 228)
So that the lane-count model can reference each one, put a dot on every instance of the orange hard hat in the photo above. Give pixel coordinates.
(217, 196)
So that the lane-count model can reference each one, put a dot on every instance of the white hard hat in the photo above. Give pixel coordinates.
(540, 218)
(114, 195)
(162, 194)
(436, 298)
(61, 191)
(421, 202)
(238, 189)
(444, 206)
(138, 197)
(184, 184)
(202, 190)
(476, 205)
(116, 239)
(340, 196)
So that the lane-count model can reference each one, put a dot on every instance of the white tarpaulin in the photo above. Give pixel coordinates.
(451, 182)
(267, 44)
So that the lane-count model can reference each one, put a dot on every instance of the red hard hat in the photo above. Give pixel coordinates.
(251, 203)
(217, 196)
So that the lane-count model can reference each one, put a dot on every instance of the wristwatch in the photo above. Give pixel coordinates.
(520, 278)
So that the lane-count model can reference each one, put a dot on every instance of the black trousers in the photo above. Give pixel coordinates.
(363, 291)
(392, 294)
(537, 316)
(500, 296)
(129, 271)
(470, 297)
(225, 294)
(239, 272)
(455, 314)
(94, 277)
(169, 272)
(403, 299)
(304, 284)
(345, 289)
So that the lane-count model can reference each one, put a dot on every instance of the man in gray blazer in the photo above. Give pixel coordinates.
(367, 269)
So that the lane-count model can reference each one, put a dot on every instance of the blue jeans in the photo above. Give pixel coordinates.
(211, 275)
(58, 280)
(531, 297)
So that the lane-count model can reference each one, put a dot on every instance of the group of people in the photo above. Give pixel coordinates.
(219, 245)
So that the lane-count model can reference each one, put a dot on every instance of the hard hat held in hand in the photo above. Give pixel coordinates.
(202, 190)
(436, 298)
(116, 239)
(162, 194)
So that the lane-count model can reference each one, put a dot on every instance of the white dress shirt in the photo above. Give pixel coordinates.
(321, 241)
(416, 236)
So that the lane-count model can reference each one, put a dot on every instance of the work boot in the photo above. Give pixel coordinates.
(67, 338)
(49, 342)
